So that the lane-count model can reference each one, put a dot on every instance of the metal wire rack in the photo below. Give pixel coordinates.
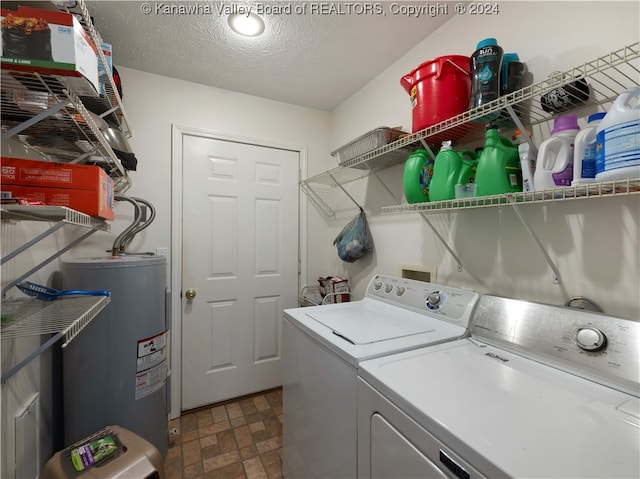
(607, 76)
(64, 318)
(593, 190)
(52, 214)
(42, 113)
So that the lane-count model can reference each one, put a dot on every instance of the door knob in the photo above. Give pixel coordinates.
(190, 293)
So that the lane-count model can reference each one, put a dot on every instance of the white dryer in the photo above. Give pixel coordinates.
(322, 347)
(536, 391)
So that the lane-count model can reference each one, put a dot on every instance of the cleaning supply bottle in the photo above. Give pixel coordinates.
(418, 171)
(584, 152)
(498, 169)
(554, 166)
(618, 139)
(486, 63)
(528, 154)
(511, 73)
(451, 168)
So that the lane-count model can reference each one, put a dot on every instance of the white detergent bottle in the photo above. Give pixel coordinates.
(554, 165)
(618, 139)
(584, 152)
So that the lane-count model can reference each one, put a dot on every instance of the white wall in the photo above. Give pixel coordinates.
(593, 243)
(155, 103)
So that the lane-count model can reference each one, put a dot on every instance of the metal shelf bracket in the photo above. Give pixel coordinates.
(556, 274)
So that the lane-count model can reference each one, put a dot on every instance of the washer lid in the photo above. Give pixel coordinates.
(375, 327)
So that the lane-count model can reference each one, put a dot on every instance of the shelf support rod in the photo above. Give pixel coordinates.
(317, 200)
(30, 243)
(58, 253)
(556, 274)
(518, 122)
(35, 119)
(385, 187)
(442, 240)
(54, 339)
(345, 192)
(427, 147)
(424, 216)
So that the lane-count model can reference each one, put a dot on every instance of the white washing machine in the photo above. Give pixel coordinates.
(536, 391)
(322, 346)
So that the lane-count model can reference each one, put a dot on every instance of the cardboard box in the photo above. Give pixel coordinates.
(92, 203)
(59, 184)
(107, 51)
(18, 171)
(51, 42)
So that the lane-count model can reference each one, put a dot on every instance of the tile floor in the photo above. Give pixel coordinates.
(237, 439)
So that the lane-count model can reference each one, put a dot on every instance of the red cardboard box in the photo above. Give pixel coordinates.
(84, 188)
(93, 203)
(16, 171)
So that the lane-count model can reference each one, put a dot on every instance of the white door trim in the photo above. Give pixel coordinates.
(175, 281)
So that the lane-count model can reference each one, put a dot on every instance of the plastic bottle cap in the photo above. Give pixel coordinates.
(486, 42)
(510, 57)
(564, 123)
(446, 145)
(596, 116)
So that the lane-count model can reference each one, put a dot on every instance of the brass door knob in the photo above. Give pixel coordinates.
(190, 293)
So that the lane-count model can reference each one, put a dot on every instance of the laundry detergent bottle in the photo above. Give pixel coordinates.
(418, 171)
(451, 168)
(584, 152)
(498, 169)
(486, 65)
(554, 166)
(618, 139)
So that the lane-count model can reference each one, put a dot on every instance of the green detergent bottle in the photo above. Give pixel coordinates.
(451, 168)
(418, 171)
(498, 169)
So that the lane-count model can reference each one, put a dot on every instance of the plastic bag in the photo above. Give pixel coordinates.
(354, 241)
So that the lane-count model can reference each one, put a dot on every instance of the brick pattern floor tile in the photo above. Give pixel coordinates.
(236, 439)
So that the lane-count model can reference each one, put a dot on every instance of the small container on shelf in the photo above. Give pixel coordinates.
(370, 141)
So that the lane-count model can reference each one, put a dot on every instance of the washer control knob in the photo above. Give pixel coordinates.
(591, 339)
(434, 298)
(377, 285)
(400, 290)
(388, 288)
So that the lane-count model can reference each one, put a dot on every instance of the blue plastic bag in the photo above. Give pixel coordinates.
(354, 241)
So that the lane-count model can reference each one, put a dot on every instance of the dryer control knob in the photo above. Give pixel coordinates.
(591, 339)
(388, 288)
(400, 290)
(377, 285)
(434, 298)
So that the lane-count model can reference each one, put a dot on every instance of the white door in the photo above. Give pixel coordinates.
(240, 257)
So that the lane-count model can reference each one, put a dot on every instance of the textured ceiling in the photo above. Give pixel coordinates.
(315, 59)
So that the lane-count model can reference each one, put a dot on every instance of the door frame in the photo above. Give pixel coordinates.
(175, 269)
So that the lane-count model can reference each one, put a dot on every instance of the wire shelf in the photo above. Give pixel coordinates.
(43, 114)
(554, 195)
(52, 214)
(66, 316)
(607, 76)
(109, 102)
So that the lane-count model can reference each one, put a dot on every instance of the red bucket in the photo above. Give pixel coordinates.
(439, 89)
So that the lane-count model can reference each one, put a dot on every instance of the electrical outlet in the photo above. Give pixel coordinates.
(162, 252)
